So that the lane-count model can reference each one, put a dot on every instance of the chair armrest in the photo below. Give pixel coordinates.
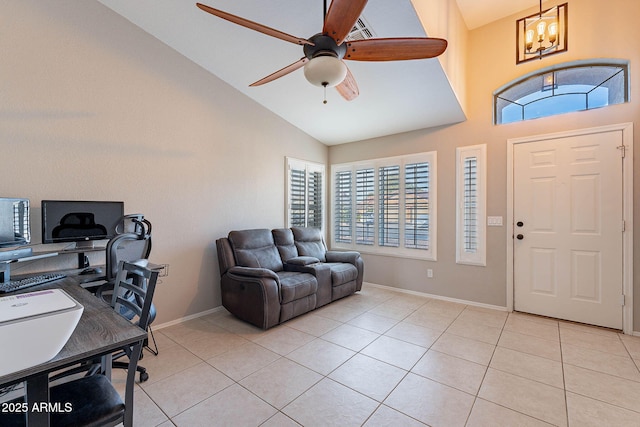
(253, 272)
(303, 260)
(342, 256)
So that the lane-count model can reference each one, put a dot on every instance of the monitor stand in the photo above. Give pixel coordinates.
(85, 244)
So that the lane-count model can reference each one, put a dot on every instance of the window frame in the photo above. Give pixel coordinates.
(553, 70)
(479, 255)
(308, 167)
(376, 248)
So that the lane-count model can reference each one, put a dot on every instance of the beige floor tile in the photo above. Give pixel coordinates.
(607, 344)
(620, 366)
(414, 334)
(586, 412)
(606, 388)
(397, 312)
(145, 411)
(430, 402)
(487, 414)
(529, 397)
(528, 366)
(588, 329)
(447, 308)
(170, 361)
(280, 420)
(407, 300)
(430, 319)
(464, 348)
(330, 404)
(243, 360)
(284, 340)
(452, 371)
(387, 417)
(280, 382)
(313, 325)
(484, 316)
(395, 352)
(340, 310)
(632, 344)
(373, 322)
(531, 345)
(190, 387)
(181, 330)
(231, 323)
(207, 344)
(368, 376)
(469, 328)
(547, 330)
(332, 356)
(351, 337)
(234, 406)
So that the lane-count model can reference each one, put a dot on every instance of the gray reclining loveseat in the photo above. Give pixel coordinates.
(271, 276)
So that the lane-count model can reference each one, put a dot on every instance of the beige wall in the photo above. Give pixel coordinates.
(94, 108)
(595, 32)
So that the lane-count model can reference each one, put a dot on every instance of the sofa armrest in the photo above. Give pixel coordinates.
(252, 294)
(302, 260)
(253, 272)
(343, 256)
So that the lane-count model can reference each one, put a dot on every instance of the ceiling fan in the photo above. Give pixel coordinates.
(324, 52)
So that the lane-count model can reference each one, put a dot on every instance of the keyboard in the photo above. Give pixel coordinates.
(15, 285)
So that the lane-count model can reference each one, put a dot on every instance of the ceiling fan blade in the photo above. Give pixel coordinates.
(341, 18)
(254, 25)
(395, 49)
(348, 88)
(283, 72)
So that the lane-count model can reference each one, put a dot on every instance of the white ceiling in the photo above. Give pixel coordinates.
(394, 97)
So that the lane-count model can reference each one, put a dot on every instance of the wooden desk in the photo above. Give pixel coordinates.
(99, 332)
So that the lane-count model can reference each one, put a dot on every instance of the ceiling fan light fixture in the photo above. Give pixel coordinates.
(325, 71)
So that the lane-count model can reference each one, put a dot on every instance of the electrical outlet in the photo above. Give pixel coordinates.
(429, 273)
(164, 272)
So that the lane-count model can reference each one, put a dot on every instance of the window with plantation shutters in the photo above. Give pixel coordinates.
(393, 205)
(305, 195)
(471, 202)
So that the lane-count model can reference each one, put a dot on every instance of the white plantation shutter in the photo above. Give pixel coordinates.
(305, 194)
(389, 206)
(417, 205)
(365, 206)
(343, 207)
(471, 205)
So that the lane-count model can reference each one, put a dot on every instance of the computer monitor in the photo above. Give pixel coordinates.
(15, 227)
(81, 222)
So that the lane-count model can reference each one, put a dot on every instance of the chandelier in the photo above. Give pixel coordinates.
(541, 34)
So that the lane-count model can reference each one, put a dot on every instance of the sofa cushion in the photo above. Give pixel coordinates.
(294, 285)
(283, 238)
(309, 242)
(342, 273)
(255, 248)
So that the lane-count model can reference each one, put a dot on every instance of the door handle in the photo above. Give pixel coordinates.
(519, 237)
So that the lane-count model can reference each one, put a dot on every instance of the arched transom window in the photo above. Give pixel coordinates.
(561, 90)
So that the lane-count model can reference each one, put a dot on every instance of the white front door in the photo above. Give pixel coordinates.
(568, 228)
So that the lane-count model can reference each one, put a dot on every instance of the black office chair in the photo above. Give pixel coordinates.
(131, 246)
(93, 398)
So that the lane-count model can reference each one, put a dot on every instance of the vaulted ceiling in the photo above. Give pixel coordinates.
(395, 97)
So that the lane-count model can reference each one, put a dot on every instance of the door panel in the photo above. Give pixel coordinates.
(568, 251)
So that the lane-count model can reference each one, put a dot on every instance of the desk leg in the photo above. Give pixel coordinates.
(37, 394)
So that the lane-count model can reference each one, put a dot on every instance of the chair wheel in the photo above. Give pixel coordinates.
(143, 377)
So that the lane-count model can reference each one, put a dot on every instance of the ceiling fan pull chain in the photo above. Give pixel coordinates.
(325, 94)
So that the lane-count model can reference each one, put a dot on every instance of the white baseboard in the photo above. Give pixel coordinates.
(186, 318)
(424, 294)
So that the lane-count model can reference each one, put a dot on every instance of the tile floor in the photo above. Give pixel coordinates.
(385, 358)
